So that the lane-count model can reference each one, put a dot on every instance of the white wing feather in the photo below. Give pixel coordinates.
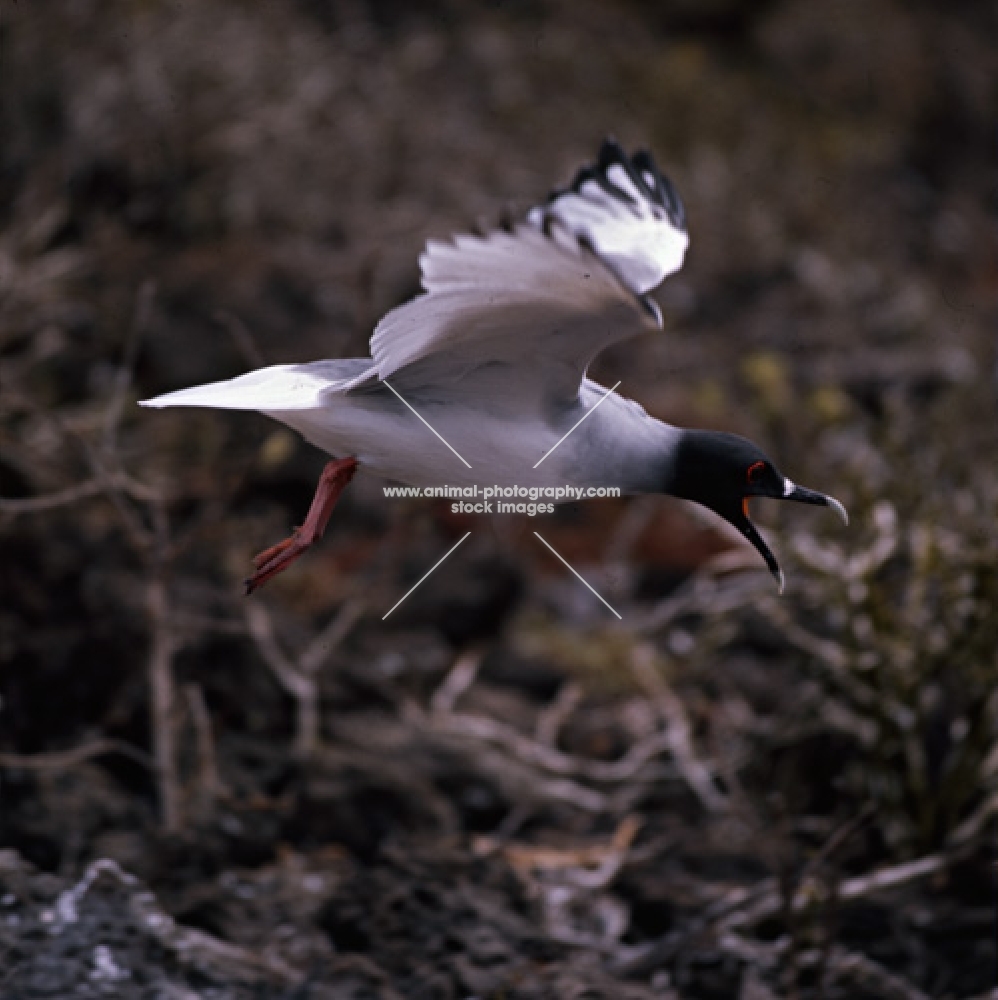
(517, 300)
(278, 388)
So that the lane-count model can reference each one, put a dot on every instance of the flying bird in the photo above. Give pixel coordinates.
(492, 358)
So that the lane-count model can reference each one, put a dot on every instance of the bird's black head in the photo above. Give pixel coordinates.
(721, 471)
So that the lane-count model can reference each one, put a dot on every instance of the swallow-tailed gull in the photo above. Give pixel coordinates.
(492, 358)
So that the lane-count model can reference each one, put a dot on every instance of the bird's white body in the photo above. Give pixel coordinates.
(617, 444)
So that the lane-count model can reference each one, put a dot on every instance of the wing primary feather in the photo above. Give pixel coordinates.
(629, 213)
(653, 309)
(614, 191)
(612, 154)
(666, 194)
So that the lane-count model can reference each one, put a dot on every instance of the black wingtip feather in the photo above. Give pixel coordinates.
(659, 190)
(668, 196)
(611, 151)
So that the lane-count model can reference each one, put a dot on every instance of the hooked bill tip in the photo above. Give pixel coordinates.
(839, 509)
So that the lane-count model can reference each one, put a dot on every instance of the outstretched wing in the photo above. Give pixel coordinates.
(523, 313)
(513, 317)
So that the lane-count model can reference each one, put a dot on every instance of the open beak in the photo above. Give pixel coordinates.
(791, 491)
(749, 530)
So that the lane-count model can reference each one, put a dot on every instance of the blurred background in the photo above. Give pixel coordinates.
(501, 790)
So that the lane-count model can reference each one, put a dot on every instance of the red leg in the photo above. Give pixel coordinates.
(333, 481)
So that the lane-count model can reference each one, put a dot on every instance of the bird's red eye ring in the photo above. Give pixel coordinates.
(755, 471)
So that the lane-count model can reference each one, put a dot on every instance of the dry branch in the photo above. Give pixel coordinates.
(679, 733)
(101, 486)
(210, 785)
(593, 866)
(742, 908)
(812, 891)
(702, 594)
(459, 678)
(162, 696)
(62, 759)
(547, 758)
(851, 966)
(299, 677)
(551, 720)
(123, 376)
(300, 685)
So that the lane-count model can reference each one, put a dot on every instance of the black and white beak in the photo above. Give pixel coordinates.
(791, 491)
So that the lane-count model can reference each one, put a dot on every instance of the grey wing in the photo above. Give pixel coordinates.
(516, 315)
(520, 315)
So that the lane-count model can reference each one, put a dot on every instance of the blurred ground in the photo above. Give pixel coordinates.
(500, 792)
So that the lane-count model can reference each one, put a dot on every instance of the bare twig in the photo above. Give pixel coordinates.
(824, 652)
(496, 759)
(210, 785)
(741, 908)
(601, 870)
(300, 685)
(116, 485)
(332, 636)
(593, 866)
(146, 543)
(123, 376)
(459, 678)
(547, 758)
(758, 955)
(644, 957)
(574, 794)
(62, 759)
(680, 737)
(839, 837)
(890, 878)
(162, 702)
(112, 481)
(864, 971)
(811, 891)
(300, 677)
(553, 717)
(702, 594)
(972, 826)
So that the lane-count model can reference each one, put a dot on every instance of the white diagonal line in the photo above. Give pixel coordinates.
(418, 582)
(585, 416)
(581, 580)
(442, 438)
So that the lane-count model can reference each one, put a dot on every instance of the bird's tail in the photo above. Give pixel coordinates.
(274, 389)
